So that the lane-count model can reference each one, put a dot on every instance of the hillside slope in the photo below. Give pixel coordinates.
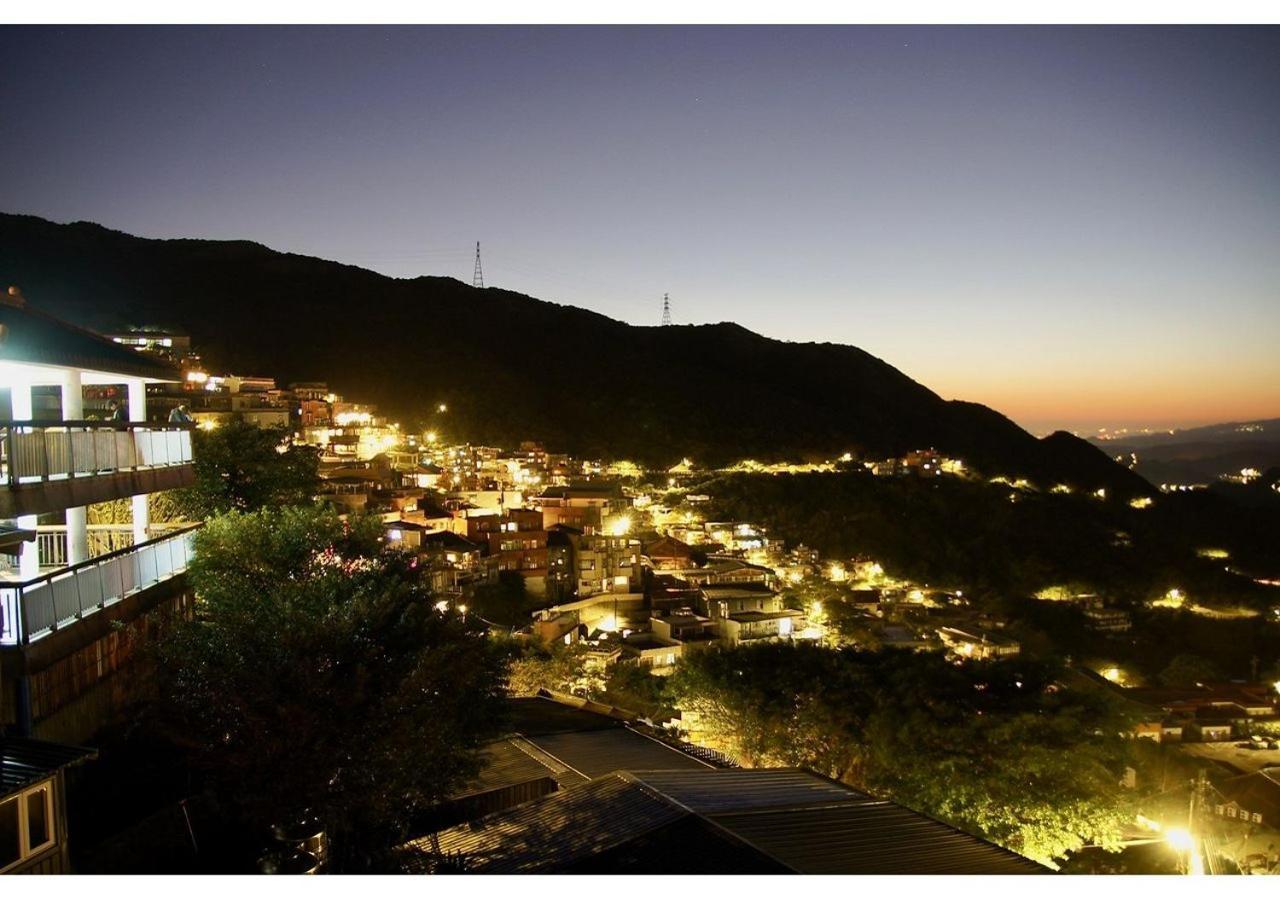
(512, 367)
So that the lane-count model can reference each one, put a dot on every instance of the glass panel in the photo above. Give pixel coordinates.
(38, 825)
(9, 849)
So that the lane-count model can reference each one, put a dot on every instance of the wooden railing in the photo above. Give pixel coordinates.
(32, 452)
(36, 608)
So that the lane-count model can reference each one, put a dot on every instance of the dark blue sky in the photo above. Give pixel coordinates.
(1078, 226)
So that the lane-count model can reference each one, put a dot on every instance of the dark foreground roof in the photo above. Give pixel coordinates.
(34, 337)
(24, 761)
(751, 820)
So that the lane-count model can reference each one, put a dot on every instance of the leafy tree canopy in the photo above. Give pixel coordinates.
(317, 674)
(1002, 749)
(240, 466)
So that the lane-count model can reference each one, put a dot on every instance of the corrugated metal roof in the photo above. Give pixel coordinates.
(505, 763)
(555, 831)
(24, 761)
(596, 753)
(728, 790)
(532, 716)
(628, 821)
(870, 837)
(688, 846)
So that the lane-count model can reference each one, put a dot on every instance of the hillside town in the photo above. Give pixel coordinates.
(620, 568)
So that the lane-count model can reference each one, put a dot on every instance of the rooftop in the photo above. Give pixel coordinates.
(754, 820)
(24, 761)
(30, 336)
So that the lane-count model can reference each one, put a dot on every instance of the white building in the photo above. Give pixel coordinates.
(63, 583)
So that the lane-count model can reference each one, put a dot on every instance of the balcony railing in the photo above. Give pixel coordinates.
(33, 452)
(36, 608)
(51, 541)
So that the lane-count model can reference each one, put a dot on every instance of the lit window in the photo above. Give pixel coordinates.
(26, 825)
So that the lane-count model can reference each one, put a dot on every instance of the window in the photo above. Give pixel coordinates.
(1257, 818)
(10, 838)
(39, 818)
(26, 825)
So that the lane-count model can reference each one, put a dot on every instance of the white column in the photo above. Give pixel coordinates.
(29, 555)
(138, 413)
(29, 558)
(137, 400)
(20, 401)
(77, 517)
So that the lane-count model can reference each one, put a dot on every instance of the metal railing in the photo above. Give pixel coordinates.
(51, 541)
(32, 452)
(36, 608)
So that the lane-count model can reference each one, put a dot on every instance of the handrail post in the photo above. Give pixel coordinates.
(23, 630)
(10, 462)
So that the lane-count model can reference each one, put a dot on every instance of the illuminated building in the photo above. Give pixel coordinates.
(60, 575)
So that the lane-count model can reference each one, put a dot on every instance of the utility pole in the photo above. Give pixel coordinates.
(477, 279)
(666, 310)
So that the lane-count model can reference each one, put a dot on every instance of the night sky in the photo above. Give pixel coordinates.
(1079, 227)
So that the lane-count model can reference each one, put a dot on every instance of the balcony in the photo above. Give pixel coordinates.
(46, 467)
(34, 609)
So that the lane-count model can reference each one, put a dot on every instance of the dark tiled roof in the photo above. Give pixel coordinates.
(596, 753)
(657, 822)
(870, 837)
(532, 716)
(24, 761)
(713, 851)
(35, 337)
(504, 764)
(561, 829)
(727, 790)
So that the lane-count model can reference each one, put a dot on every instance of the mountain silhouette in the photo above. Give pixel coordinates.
(511, 367)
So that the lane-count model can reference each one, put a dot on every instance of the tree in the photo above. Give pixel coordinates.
(555, 667)
(1188, 670)
(505, 602)
(1000, 748)
(318, 674)
(240, 466)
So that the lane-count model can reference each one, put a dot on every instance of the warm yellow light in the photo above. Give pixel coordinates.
(443, 407)
(608, 623)
(1179, 839)
(197, 377)
(208, 424)
(1113, 674)
(837, 572)
(1140, 502)
(620, 526)
(431, 437)
(442, 606)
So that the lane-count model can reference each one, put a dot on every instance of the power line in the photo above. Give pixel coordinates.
(666, 309)
(477, 279)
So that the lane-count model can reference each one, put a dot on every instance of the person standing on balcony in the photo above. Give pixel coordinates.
(117, 412)
(179, 416)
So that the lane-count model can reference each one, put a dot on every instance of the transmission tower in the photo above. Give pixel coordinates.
(666, 310)
(477, 280)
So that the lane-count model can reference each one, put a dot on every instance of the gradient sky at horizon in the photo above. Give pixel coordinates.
(1077, 226)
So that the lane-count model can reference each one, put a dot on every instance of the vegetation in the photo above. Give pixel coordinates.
(318, 675)
(997, 542)
(1002, 748)
(242, 467)
(505, 602)
(554, 666)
